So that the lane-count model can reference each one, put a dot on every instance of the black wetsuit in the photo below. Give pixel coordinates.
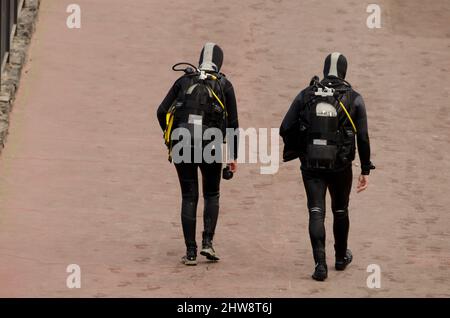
(338, 181)
(211, 173)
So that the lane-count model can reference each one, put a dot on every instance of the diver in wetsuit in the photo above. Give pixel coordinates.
(301, 132)
(210, 62)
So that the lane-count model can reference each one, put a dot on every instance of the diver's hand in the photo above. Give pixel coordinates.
(233, 166)
(363, 183)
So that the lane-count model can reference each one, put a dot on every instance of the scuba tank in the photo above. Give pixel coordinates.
(328, 139)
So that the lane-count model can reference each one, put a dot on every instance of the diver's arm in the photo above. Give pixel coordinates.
(166, 103)
(292, 117)
(232, 119)
(362, 135)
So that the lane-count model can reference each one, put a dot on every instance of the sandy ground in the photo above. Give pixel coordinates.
(84, 177)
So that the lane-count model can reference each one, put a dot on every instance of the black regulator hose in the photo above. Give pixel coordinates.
(191, 69)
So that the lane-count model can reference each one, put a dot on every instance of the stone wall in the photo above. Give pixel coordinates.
(18, 57)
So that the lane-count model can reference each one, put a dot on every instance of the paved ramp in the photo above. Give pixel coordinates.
(84, 177)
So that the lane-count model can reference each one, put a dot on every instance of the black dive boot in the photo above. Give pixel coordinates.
(207, 247)
(190, 259)
(321, 269)
(343, 261)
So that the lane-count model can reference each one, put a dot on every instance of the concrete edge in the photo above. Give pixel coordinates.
(25, 28)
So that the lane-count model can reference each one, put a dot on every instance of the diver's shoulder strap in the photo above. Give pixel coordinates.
(309, 96)
(345, 101)
(222, 82)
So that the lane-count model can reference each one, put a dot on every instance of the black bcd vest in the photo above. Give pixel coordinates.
(197, 107)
